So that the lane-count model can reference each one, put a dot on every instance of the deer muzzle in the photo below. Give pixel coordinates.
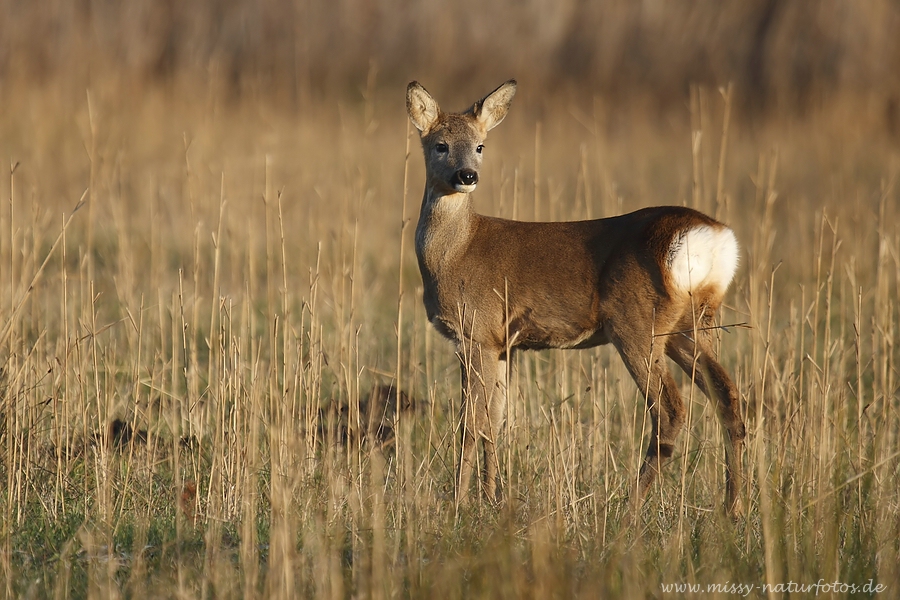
(465, 180)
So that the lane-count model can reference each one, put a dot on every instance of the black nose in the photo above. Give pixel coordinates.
(465, 177)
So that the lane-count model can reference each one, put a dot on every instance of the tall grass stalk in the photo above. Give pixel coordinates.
(186, 369)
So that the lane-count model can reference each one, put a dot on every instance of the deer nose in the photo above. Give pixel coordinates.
(465, 177)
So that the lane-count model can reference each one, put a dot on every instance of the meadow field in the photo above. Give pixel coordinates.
(206, 284)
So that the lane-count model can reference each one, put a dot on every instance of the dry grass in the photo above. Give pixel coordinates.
(236, 270)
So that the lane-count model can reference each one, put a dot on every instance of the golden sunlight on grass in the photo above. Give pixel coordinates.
(208, 290)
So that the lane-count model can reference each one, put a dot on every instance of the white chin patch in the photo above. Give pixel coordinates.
(465, 189)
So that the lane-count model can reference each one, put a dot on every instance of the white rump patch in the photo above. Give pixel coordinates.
(703, 256)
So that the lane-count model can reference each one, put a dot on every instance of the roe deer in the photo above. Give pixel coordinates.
(648, 282)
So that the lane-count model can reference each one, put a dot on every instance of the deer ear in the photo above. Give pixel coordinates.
(422, 109)
(493, 108)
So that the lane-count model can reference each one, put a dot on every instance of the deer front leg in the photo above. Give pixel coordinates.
(480, 412)
(496, 412)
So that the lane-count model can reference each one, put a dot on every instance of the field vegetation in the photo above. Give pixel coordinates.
(208, 295)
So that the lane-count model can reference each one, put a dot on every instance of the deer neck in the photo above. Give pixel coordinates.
(444, 229)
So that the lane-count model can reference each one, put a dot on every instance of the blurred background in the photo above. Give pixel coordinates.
(788, 56)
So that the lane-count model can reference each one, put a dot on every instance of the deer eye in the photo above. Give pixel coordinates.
(442, 148)
(480, 148)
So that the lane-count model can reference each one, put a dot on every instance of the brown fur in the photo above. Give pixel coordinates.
(492, 284)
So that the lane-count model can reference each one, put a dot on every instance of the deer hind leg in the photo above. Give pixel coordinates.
(715, 383)
(646, 363)
(483, 401)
